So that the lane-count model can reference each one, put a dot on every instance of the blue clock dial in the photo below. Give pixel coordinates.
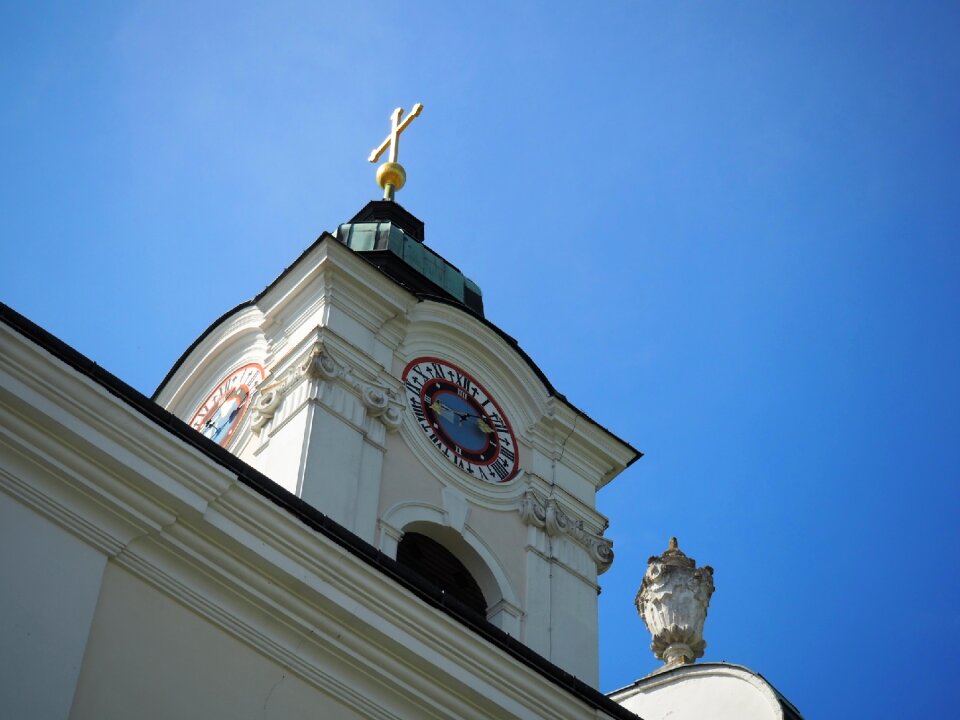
(459, 420)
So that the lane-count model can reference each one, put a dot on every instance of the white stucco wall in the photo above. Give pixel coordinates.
(49, 582)
(149, 657)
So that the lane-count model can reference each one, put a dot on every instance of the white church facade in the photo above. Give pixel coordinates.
(353, 496)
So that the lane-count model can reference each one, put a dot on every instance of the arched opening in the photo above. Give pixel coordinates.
(441, 567)
(501, 605)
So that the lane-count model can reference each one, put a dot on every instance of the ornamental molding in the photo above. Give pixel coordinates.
(546, 513)
(379, 401)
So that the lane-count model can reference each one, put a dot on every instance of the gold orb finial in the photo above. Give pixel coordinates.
(391, 176)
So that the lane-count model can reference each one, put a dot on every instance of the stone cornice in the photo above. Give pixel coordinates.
(580, 443)
(546, 513)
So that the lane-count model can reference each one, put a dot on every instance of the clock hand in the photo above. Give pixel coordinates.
(440, 409)
(481, 423)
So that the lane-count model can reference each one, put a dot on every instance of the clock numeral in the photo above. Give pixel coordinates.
(417, 409)
(462, 381)
(498, 424)
(499, 469)
(439, 444)
(507, 453)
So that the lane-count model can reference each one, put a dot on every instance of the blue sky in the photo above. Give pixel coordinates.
(727, 231)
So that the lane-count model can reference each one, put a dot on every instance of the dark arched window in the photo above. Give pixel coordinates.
(441, 567)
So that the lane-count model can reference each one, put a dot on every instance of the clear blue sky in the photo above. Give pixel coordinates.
(728, 231)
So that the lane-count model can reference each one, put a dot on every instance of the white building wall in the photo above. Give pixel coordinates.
(149, 657)
(49, 583)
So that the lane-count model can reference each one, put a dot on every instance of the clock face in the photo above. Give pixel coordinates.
(460, 418)
(220, 414)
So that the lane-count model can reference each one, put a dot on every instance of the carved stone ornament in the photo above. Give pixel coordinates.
(547, 514)
(380, 402)
(673, 601)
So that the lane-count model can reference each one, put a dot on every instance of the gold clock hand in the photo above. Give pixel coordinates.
(442, 410)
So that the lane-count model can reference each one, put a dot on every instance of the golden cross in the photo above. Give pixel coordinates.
(393, 139)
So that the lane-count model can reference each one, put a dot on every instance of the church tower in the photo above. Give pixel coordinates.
(367, 381)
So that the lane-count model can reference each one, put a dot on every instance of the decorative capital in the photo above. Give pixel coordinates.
(548, 514)
(672, 601)
(380, 402)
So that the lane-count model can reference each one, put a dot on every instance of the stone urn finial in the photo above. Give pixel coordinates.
(672, 601)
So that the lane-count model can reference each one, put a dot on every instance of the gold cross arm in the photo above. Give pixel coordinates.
(392, 140)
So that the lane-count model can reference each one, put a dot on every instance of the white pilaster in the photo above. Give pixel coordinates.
(322, 430)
